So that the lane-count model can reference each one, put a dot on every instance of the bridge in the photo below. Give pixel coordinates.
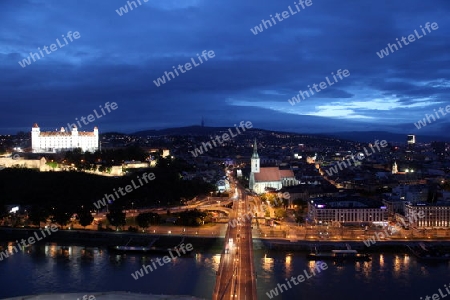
(236, 277)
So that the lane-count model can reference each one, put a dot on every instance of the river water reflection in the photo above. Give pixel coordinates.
(57, 269)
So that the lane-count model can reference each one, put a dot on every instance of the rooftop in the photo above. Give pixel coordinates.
(345, 202)
(272, 174)
(439, 203)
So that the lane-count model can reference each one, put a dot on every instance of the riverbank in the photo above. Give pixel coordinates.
(105, 239)
(203, 243)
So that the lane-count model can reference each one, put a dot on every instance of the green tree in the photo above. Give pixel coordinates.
(52, 164)
(155, 219)
(274, 201)
(38, 214)
(280, 213)
(191, 217)
(85, 217)
(61, 215)
(116, 218)
(3, 211)
(142, 221)
(145, 219)
(300, 219)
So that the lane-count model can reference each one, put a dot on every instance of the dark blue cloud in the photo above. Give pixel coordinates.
(251, 77)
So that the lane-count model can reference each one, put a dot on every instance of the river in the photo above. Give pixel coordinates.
(52, 269)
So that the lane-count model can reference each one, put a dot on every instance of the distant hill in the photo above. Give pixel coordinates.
(189, 130)
(357, 136)
(370, 136)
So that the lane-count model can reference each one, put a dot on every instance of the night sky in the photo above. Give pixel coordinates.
(250, 78)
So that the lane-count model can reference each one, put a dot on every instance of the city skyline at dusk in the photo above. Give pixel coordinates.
(224, 150)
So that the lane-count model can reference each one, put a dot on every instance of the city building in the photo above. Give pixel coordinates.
(394, 168)
(25, 160)
(411, 139)
(413, 193)
(439, 149)
(434, 215)
(57, 141)
(222, 185)
(262, 178)
(346, 210)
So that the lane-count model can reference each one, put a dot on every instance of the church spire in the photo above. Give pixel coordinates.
(394, 168)
(255, 159)
(255, 150)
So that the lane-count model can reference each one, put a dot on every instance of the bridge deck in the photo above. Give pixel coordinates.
(236, 278)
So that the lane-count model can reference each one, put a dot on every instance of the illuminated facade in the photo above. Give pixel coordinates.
(56, 141)
(270, 177)
(328, 210)
(434, 215)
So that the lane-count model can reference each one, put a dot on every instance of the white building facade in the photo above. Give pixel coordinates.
(268, 177)
(434, 215)
(328, 210)
(57, 141)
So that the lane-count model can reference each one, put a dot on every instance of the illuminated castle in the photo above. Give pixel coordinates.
(56, 141)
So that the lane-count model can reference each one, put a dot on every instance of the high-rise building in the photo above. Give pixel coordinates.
(394, 168)
(428, 215)
(411, 139)
(56, 141)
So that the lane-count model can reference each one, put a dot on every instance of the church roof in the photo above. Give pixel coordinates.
(286, 173)
(272, 174)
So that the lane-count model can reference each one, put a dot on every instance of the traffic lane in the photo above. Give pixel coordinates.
(246, 273)
(226, 276)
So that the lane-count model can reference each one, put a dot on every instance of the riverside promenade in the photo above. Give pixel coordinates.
(208, 241)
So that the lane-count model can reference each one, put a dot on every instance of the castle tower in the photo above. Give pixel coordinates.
(35, 132)
(74, 130)
(255, 159)
(75, 141)
(96, 139)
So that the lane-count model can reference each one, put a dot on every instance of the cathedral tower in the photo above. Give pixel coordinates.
(255, 159)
